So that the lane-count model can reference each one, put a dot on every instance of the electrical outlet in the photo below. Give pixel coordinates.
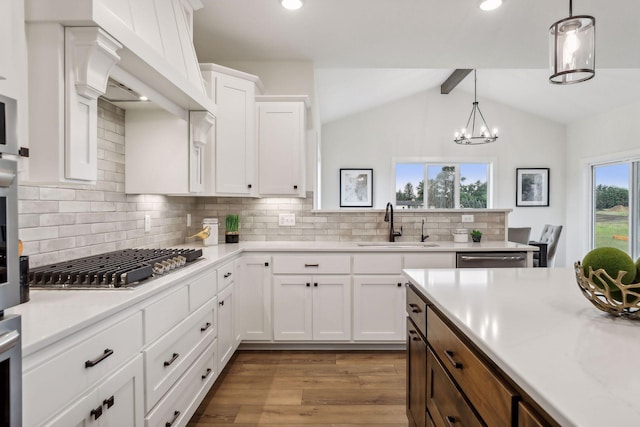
(147, 223)
(287, 220)
(467, 218)
(188, 220)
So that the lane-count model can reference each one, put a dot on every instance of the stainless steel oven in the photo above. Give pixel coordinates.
(9, 258)
(10, 372)
(8, 125)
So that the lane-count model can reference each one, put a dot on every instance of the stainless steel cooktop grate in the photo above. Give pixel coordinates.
(113, 270)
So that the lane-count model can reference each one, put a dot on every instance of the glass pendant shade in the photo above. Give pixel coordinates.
(572, 49)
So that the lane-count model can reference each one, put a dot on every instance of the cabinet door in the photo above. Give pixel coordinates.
(292, 307)
(254, 296)
(281, 131)
(416, 376)
(121, 396)
(83, 412)
(235, 140)
(331, 308)
(225, 326)
(378, 308)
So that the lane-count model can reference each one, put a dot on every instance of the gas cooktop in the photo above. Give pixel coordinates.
(121, 269)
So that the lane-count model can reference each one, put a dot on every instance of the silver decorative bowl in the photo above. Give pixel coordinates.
(609, 294)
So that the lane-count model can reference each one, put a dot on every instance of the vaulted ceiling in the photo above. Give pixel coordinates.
(359, 46)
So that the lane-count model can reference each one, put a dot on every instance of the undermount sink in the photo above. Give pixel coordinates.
(398, 244)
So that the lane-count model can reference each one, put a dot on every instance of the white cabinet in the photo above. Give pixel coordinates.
(6, 36)
(116, 401)
(254, 298)
(312, 308)
(232, 163)
(378, 308)
(165, 153)
(226, 331)
(281, 143)
(430, 260)
(68, 71)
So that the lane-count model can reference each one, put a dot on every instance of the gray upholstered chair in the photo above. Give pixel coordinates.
(550, 236)
(519, 234)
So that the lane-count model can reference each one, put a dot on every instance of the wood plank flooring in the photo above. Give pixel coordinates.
(308, 388)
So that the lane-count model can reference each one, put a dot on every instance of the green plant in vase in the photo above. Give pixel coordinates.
(476, 235)
(232, 223)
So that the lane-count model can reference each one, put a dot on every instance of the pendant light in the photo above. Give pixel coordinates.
(479, 134)
(572, 49)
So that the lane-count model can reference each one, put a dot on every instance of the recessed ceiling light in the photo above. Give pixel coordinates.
(489, 4)
(291, 4)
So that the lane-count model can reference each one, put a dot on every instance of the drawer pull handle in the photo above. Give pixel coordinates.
(415, 307)
(89, 363)
(108, 402)
(455, 364)
(227, 275)
(207, 326)
(206, 374)
(451, 420)
(173, 359)
(176, 414)
(96, 413)
(312, 265)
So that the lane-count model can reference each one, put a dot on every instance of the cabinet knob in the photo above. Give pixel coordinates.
(315, 284)
(249, 186)
(266, 264)
(399, 284)
(451, 420)
(308, 284)
(295, 187)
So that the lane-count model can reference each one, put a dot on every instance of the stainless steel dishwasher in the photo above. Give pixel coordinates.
(491, 259)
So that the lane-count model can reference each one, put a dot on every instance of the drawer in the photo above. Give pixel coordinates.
(225, 275)
(417, 310)
(168, 358)
(430, 260)
(312, 264)
(53, 384)
(180, 403)
(377, 264)
(489, 395)
(165, 313)
(202, 289)
(445, 403)
(527, 417)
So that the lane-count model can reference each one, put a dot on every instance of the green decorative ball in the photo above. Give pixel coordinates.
(612, 260)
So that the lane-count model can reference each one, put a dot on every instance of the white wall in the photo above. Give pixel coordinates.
(423, 125)
(607, 136)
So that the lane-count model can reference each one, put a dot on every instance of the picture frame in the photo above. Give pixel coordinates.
(532, 187)
(356, 188)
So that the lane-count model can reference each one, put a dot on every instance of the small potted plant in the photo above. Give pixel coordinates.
(231, 235)
(476, 235)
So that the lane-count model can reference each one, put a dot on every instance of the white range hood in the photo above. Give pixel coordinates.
(76, 46)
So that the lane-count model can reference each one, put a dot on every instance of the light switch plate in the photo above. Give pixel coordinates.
(147, 223)
(467, 218)
(287, 220)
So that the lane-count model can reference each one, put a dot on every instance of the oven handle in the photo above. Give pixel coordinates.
(8, 340)
(6, 177)
(491, 258)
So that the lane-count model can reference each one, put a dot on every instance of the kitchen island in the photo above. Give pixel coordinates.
(538, 333)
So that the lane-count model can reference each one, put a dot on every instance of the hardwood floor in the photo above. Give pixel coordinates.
(308, 388)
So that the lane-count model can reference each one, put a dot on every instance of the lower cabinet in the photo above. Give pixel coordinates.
(253, 292)
(416, 376)
(378, 308)
(226, 336)
(116, 401)
(312, 308)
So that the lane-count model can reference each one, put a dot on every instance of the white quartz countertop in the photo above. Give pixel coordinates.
(578, 363)
(52, 315)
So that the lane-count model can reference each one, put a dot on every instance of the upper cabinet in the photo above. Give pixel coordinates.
(232, 161)
(281, 142)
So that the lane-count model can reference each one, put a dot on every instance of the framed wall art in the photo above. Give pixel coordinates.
(532, 187)
(356, 188)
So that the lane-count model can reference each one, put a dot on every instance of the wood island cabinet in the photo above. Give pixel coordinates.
(450, 382)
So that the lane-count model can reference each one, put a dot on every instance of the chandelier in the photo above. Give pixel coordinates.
(476, 134)
(572, 44)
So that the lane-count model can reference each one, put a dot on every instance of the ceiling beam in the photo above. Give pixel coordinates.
(452, 81)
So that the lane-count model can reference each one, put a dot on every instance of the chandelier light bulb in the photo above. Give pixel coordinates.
(495, 132)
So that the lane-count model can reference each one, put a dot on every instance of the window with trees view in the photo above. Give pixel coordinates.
(612, 214)
(442, 185)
